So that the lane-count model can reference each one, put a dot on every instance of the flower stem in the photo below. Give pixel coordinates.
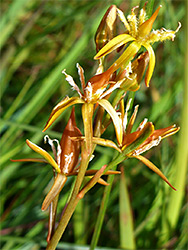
(73, 201)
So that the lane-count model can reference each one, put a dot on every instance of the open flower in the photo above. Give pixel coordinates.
(94, 92)
(140, 141)
(65, 158)
(138, 32)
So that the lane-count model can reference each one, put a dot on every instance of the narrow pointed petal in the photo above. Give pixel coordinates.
(165, 132)
(115, 43)
(60, 107)
(146, 27)
(144, 133)
(151, 65)
(30, 160)
(115, 118)
(103, 182)
(132, 120)
(150, 165)
(44, 154)
(93, 172)
(127, 55)
(52, 218)
(105, 143)
(54, 191)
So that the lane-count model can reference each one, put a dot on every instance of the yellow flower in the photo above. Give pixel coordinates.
(139, 34)
(94, 92)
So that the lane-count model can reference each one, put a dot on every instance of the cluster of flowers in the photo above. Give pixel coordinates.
(125, 74)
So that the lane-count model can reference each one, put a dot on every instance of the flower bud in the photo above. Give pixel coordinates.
(105, 30)
(70, 148)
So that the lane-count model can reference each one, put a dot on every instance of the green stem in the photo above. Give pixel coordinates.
(102, 212)
(72, 203)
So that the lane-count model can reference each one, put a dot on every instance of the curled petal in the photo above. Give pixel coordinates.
(44, 154)
(150, 165)
(115, 118)
(54, 191)
(151, 65)
(59, 108)
(115, 43)
(127, 55)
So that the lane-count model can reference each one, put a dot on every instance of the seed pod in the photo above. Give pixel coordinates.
(70, 149)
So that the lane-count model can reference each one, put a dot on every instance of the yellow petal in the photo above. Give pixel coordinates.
(60, 107)
(151, 65)
(132, 120)
(127, 55)
(150, 165)
(146, 27)
(100, 181)
(54, 191)
(115, 43)
(106, 143)
(115, 118)
(43, 153)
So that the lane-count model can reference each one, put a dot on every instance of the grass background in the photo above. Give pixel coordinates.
(38, 40)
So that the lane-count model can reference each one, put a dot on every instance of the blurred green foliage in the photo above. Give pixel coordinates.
(38, 40)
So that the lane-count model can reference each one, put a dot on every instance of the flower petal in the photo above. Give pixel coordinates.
(150, 165)
(146, 27)
(151, 65)
(60, 107)
(115, 118)
(43, 153)
(30, 160)
(115, 43)
(91, 172)
(127, 55)
(54, 191)
(106, 143)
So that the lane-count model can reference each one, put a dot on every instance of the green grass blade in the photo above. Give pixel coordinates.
(127, 240)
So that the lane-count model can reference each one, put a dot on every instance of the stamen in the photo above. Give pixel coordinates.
(89, 91)
(81, 75)
(123, 19)
(126, 114)
(179, 26)
(51, 143)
